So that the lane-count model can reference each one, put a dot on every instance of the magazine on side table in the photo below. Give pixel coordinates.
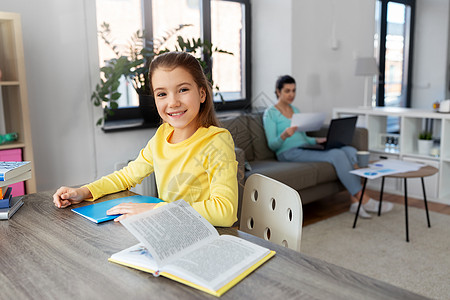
(386, 167)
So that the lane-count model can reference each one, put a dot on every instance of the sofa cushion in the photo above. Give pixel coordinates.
(298, 175)
(238, 127)
(260, 148)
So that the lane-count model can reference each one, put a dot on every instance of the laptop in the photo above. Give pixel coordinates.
(340, 133)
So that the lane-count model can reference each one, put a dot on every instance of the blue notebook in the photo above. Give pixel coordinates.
(97, 212)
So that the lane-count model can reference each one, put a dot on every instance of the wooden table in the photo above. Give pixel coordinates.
(50, 253)
(425, 171)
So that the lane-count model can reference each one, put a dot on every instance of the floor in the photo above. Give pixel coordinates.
(339, 203)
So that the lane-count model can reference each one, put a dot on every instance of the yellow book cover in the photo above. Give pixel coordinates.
(191, 252)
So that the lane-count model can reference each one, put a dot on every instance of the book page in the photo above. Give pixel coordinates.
(218, 262)
(137, 256)
(170, 229)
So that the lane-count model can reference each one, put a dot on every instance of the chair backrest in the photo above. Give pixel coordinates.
(273, 211)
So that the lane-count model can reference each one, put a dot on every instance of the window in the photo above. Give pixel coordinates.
(228, 32)
(226, 23)
(122, 18)
(393, 48)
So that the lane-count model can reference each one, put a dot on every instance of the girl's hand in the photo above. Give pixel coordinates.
(321, 140)
(129, 209)
(66, 196)
(288, 132)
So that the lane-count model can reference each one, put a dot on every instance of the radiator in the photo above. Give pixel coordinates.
(147, 186)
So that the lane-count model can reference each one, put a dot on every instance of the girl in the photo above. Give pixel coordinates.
(193, 159)
(286, 141)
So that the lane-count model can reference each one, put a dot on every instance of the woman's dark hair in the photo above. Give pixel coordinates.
(281, 81)
(172, 60)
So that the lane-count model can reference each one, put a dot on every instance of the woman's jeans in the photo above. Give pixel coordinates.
(342, 159)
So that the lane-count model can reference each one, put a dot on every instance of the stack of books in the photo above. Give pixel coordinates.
(11, 172)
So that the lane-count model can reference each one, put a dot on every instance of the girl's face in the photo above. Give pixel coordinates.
(178, 100)
(287, 93)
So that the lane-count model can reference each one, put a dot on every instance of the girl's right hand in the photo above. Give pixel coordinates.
(66, 196)
(288, 132)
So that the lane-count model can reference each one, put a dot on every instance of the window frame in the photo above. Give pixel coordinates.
(128, 113)
(382, 51)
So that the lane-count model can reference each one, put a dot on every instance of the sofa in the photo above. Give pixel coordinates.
(313, 180)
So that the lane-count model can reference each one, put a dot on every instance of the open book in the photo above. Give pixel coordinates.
(178, 243)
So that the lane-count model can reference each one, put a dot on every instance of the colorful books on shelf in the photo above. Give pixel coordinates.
(178, 243)
(14, 205)
(11, 169)
(97, 212)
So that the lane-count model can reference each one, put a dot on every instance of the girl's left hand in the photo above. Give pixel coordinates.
(129, 209)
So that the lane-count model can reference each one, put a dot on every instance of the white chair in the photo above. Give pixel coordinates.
(273, 211)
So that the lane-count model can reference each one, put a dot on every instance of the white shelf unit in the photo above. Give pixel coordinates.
(411, 124)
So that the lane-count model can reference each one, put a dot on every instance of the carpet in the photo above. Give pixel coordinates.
(377, 248)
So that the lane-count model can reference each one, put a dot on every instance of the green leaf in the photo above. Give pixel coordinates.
(115, 96)
(113, 105)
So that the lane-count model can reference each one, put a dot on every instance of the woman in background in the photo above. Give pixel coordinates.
(287, 143)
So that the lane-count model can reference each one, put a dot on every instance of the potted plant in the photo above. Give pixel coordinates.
(132, 61)
(425, 142)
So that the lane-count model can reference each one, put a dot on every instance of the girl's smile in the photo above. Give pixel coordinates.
(178, 99)
(176, 114)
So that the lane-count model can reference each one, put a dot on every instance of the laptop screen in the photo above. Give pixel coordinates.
(340, 132)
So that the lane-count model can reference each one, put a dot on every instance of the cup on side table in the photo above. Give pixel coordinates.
(363, 158)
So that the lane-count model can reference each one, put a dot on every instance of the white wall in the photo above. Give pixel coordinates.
(289, 37)
(61, 62)
(271, 47)
(430, 57)
(325, 73)
(296, 37)
(56, 61)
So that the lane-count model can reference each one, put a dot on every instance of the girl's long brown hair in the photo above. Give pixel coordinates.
(172, 60)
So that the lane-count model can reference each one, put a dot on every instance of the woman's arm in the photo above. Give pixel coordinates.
(274, 140)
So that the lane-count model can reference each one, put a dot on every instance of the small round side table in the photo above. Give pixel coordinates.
(425, 171)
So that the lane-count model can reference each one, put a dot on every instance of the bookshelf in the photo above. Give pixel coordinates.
(412, 122)
(13, 91)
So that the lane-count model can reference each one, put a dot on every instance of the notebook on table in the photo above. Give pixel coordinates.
(97, 212)
(340, 133)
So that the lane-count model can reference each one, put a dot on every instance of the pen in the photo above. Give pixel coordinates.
(8, 193)
(6, 201)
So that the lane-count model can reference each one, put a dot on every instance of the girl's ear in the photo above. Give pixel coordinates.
(202, 95)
